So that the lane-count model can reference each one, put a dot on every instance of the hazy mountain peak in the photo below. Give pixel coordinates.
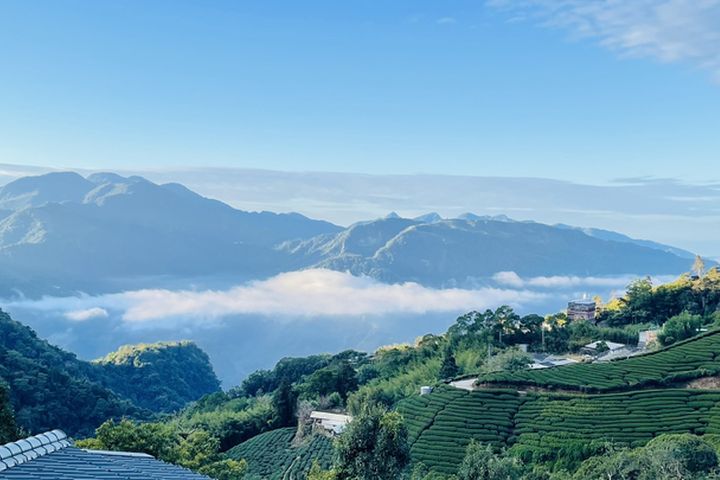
(431, 217)
(105, 177)
(471, 217)
(34, 191)
(392, 215)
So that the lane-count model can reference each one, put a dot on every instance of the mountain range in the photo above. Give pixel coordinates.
(62, 233)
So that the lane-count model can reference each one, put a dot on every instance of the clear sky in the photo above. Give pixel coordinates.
(570, 89)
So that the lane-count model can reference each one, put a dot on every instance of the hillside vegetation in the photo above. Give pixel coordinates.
(8, 427)
(50, 388)
(162, 377)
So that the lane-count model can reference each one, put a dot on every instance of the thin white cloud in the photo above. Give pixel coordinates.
(308, 293)
(86, 314)
(513, 280)
(446, 20)
(665, 30)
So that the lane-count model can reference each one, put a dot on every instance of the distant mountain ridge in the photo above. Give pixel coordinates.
(461, 251)
(69, 233)
(61, 233)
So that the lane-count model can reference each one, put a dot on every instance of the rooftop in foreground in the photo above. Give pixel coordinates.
(53, 456)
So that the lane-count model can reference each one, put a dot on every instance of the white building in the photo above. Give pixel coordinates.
(332, 423)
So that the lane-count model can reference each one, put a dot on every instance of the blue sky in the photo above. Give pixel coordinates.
(578, 90)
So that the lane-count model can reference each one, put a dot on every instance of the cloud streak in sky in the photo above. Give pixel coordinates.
(86, 314)
(669, 31)
(513, 280)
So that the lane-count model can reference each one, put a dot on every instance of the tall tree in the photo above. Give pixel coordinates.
(373, 447)
(481, 463)
(449, 368)
(8, 429)
(284, 401)
(346, 380)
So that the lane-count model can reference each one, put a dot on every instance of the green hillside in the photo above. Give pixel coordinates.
(162, 377)
(50, 388)
(556, 428)
(272, 455)
(688, 360)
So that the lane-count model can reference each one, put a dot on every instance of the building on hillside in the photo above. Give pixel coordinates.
(328, 422)
(595, 349)
(583, 309)
(546, 361)
(618, 354)
(53, 456)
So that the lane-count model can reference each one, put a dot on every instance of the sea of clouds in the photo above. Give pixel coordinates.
(314, 293)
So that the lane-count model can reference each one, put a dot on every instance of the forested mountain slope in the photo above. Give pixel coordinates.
(162, 377)
(51, 388)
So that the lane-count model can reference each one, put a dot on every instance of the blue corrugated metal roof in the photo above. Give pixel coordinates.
(52, 456)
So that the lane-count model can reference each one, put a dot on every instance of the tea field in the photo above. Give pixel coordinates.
(271, 455)
(542, 427)
(688, 360)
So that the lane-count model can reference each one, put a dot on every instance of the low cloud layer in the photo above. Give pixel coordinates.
(86, 314)
(669, 31)
(512, 279)
(308, 293)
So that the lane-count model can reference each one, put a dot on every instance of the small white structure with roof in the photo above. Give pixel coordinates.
(332, 423)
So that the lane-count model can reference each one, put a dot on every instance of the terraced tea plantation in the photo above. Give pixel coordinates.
(538, 426)
(694, 358)
(545, 424)
(272, 456)
(440, 432)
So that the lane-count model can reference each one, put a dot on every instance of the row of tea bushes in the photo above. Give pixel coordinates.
(456, 419)
(272, 455)
(549, 427)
